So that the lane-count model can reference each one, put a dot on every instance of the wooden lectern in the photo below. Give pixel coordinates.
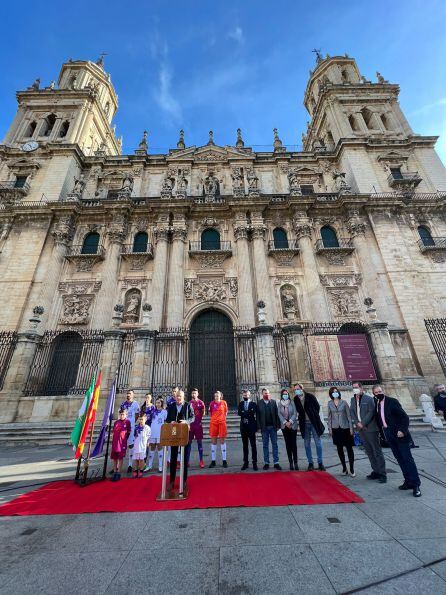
(173, 434)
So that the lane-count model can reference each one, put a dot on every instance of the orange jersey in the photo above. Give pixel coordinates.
(218, 411)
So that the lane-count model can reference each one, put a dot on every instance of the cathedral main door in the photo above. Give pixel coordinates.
(212, 356)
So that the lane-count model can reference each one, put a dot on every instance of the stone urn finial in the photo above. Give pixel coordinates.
(35, 319)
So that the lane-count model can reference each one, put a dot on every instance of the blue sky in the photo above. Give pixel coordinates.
(220, 65)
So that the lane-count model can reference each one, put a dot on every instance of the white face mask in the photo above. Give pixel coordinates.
(356, 391)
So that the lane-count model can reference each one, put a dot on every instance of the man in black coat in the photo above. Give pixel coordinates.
(310, 424)
(268, 423)
(181, 412)
(394, 421)
(247, 410)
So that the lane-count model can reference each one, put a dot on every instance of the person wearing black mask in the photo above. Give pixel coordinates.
(394, 421)
(340, 426)
(440, 399)
(247, 410)
(310, 424)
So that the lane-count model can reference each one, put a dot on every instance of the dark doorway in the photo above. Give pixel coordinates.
(66, 352)
(212, 356)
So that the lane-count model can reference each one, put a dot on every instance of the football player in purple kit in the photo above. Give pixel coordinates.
(196, 427)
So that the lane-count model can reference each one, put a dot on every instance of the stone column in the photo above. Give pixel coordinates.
(266, 361)
(111, 357)
(245, 293)
(158, 287)
(263, 285)
(143, 352)
(175, 295)
(297, 355)
(116, 232)
(17, 375)
(316, 294)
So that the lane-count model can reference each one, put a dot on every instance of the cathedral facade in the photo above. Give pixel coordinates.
(218, 266)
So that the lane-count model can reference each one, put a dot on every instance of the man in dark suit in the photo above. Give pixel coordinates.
(247, 410)
(362, 407)
(310, 424)
(268, 423)
(180, 412)
(394, 421)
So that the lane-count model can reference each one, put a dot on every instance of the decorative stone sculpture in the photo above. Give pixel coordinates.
(261, 312)
(132, 306)
(238, 183)
(76, 309)
(143, 145)
(117, 229)
(381, 80)
(211, 291)
(146, 314)
(181, 144)
(278, 148)
(127, 187)
(211, 187)
(51, 86)
(117, 315)
(181, 185)
(63, 231)
(239, 143)
(289, 302)
(35, 319)
(167, 185)
(79, 185)
(340, 182)
(253, 182)
(294, 182)
(35, 86)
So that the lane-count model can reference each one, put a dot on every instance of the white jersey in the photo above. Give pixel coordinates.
(141, 440)
(159, 418)
(132, 412)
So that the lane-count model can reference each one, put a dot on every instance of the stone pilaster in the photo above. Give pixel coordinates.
(161, 233)
(143, 352)
(175, 296)
(17, 375)
(266, 361)
(316, 296)
(111, 357)
(258, 234)
(297, 354)
(245, 293)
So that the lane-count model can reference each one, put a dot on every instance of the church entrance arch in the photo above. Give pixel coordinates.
(212, 356)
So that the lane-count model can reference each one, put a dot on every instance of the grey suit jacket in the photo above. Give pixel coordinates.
(339, 417)
(367, 412)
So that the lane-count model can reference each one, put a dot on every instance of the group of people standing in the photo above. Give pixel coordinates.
(377, 417)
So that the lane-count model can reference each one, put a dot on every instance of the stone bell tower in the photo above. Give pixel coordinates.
(77, 111)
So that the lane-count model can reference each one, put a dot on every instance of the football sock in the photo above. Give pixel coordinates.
(213, 451)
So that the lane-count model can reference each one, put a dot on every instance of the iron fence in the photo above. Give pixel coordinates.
(282, 359)
(126, 362)
(170, 361)
(8, 341)
(436, 329)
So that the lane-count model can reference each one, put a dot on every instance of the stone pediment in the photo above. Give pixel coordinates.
(211, 154)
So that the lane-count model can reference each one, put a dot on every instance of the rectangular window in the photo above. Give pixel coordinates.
(307, 189)
(20, 181)
(396, 173)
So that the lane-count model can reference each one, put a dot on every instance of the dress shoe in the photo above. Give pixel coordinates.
(254, 466)
(404, 486)
(352, 473)
(296, 467)
(417, 492)
(373, 475)
(321, 467)
(265, 466)
(382, 479)
(310, 467)
(201, 464)
(129, 469)
(244, 466)
(291, 467)
(212, 464)
(225, 464)
(277, 467)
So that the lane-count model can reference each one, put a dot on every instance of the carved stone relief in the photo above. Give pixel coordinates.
(288, 298)
(132, 306)
(340, 280)
(80, 286)
(344, 303)
(210, 290)
(76, 309)
(128, 283)
(211, 260)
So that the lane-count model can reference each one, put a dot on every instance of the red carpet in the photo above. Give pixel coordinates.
(205, 491)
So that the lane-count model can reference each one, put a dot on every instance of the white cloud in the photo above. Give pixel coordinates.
(237, 35)
(428, 107)
(164, 96)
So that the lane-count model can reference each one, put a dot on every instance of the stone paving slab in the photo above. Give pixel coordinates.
(427, 549)
(420, 581)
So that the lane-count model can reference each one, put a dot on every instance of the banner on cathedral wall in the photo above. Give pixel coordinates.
(340, 358)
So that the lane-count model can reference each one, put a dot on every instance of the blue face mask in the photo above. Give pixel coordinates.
(285, 396)
(335, 395)
(299, 392)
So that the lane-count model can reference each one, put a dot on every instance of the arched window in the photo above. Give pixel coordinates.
(425, 236)
(329, 237)
(91, 243)
(210, 240)
(31, 129)
(140, 242)
(353, 123)
(368, 117)
(48, 125)
(344, 76)
(280, 238)
(64, 129)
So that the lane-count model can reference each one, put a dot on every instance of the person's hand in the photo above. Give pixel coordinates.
(400, 434)
(351, 432)
(183, 421)
(359, 425)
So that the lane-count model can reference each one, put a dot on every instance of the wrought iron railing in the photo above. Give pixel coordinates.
(342, 244)
(436, 329)
(81, 250)
(433, 243)
(210, 246)
(405, 177)
(131, 249)
(8, 341)
(7, 185)
(282, 245)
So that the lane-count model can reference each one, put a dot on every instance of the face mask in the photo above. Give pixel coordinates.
(443, 393)
(380, 397)
(335, 395)
(356, 391)
(299, 392)
(285, 397)
(245, 398)
(266, 397)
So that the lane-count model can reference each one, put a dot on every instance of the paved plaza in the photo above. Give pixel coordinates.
(393, 543)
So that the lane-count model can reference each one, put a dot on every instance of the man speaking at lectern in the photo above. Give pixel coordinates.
(180, 412)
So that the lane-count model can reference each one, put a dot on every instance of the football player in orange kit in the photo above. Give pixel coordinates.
(218, 410)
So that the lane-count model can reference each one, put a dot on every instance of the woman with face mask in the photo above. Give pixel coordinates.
(340, 426)
(288, 423)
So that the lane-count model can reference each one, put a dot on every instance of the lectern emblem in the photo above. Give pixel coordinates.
(174, 431)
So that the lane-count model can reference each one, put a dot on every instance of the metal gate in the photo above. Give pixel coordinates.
(169, 366)
(282, 359)
(436, 328)
(212, 356)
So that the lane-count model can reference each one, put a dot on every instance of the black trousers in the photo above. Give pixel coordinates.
(350, 454)
(249, 437)
(401, 451)
(173, 461)
(290, 437)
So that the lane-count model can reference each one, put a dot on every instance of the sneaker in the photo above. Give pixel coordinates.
(147, 469)
(201, 464)
(139, 474)
(296, 467)
(212, 464)
(114, 477)
(225, 464)
(118, 476)
(373, 475)
(160, 470)
(129, 469)
(321, 467)
(344, 472)
(352, 474)
(417, 492)
(404, 486)
(135, 474)
(310, 467)
(254, 466)
(382, 479)
(277, 467)
(266, 466)
(244, 466)
(111, 472)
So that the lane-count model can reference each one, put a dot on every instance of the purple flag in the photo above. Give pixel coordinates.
(107, 419)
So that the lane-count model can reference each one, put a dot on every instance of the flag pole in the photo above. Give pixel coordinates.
(110, 419)
(87, 458)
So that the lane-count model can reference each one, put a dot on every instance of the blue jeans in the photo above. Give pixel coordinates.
(309, 431)
(269, 432)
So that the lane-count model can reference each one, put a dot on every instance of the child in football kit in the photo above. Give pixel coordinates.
(218, 410)
(121, 433)
(196, 428)
(132, 408)
(142, 435)
(159, 418)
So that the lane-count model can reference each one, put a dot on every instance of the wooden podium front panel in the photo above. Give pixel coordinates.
(174, 434)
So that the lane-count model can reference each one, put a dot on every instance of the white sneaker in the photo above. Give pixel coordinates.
(352, 474)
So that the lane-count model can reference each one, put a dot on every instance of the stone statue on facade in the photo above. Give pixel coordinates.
(340, 182)
(167, 185)
(211, 187)
(294, 182)
(379, 77)
(261, 312)
(35, 86)
(253, 182)
(181, 188)
(79, 185)
(132, 307)
(127, 187)
(238, 183)
(289, 303)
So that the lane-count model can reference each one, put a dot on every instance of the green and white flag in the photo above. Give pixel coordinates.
(81, 417)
